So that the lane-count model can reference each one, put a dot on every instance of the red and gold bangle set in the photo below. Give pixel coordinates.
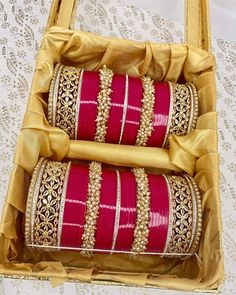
(91, 208)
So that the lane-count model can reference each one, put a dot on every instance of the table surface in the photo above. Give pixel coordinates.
(21, 26)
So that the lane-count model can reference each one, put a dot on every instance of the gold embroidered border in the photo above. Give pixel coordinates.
(184, 223)
(197, 219)
(104, 103)
(48, 200)
(141, 230)
(67, 98)
(92, 207)
(194, 106)
(146, 121)
(53, 94)
(183, 110)
(32, 201)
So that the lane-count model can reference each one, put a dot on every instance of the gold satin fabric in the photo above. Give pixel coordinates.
(195, 153)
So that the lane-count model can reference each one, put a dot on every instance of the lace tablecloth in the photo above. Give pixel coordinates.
(22, 24)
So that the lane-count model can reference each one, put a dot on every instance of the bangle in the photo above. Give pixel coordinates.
(141, 230)
(146, 121)
(92, 207)
(184, 215)
(46, 203)
(63, 99)
(32, 200)
(183, 110)
(104, 103)
(194, 106)
(53, 94)
(155, 214)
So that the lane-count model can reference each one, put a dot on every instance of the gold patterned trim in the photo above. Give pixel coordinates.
(141, 230)
(104, 103)
(183, 110)
(32, 199)
(197, 223)
(185, 223)
(146, 121)
(53, 94)
(67, 97)
(117, 216)
(194, 106)
(48, 200)
(92, 208)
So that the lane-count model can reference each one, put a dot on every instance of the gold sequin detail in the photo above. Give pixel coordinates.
(182, 230)
(92, 207)
(67, 96)
(146, 121)
(104, 103)
(141, 230)
(48, 204)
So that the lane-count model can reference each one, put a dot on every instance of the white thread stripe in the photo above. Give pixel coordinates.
(157, 219)
(125, 106)
(128, 225)
(73, 224)
(114, 104)
(132, 122)
(124, 209)
(160, 120)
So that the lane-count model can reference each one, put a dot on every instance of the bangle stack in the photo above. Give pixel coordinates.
(106, 107)
(92, 209)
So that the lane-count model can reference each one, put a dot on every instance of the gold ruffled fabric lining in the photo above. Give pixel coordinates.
(195, 153)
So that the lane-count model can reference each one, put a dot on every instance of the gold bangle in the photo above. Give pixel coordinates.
(141, 230)
(197, 214)
(104, 103)
(32, 200)
(184, 218)
(53, 95)
(146, 121)
(183, 110)
(47, 206)
(92, 207)
(63, 109)
(194, 106)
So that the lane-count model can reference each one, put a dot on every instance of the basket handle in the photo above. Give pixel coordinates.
(197, 20)
(197, 24)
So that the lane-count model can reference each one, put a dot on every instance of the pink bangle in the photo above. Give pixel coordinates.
(93, 209)
(106, 107)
